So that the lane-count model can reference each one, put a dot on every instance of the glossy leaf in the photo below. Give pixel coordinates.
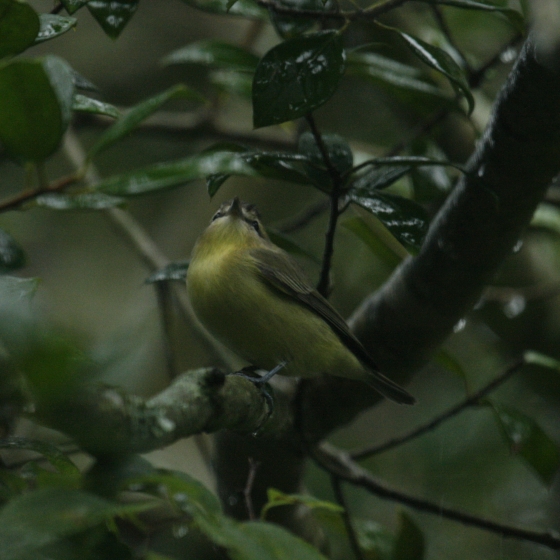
(173, 174)
(80, 82)
(378, 239)
(441, 61)
(19, 25)
(374, 540)
(72, 6)
(409, 541)
(214, 53)
(36, 519)
(296, 77)
(12, 256)
(35, 106)
(277, 498)
(400, 81)
(52, 454)
(173, 271)
(527, 439)
(128, 122)
(86, 104)
(82, 201)
(53, 25)
(411, 161)
(288, 26)
(537, 359)
(379, 178)
(547, 217)
(405, 219)
(340, 156)
(112, 15)
(245, 8)
(237, 83)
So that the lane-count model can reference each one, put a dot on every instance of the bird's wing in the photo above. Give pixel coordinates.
(281, 272)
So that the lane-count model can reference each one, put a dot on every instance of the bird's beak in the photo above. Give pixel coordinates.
(235, 208)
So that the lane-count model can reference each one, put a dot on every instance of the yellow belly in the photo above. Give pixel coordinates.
(262, 325)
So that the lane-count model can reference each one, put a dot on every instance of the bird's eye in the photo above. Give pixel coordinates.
(256, 226)
(217, 215)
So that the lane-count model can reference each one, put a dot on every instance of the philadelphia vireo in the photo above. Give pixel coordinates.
(253, 297)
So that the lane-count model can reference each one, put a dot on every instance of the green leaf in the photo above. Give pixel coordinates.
(237, 83)
(35, 106)
(112, 15)
(72, 6)
(83, 201)
(88, 105)
(173, 271)
(409, 541)
(53, 25)
(542, 360)
(51, 453)
(14, 289)
(404, 218)
(296, 77)
(277, 498)
(12, 256)
(137, 114)
(441, 61)
(450, 363)
(374, 540)
(215, 54)
(19, 25)
(289, 27)
(546, 217)
(527, 439)
(245, 8)
(36, 519)
(80, 82)
(340, 156)
(379, 178)
(378, 239)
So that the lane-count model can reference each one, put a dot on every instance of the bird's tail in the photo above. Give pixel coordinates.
(388, 388)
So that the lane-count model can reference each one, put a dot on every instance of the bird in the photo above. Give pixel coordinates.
(253, 297)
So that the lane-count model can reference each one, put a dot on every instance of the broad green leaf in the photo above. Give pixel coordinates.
(53, 25)
(137, 114)
(289, 27)
(112, 15)
(379, 178)
(409, 541)
(36, 519)
(527, 439)
(441, 61)
(378, 239)
(35, 106)
(542, 360)
(515, 18)
(80, 82)
(296, 77)
(237, 83)
(340, 156)
(450, 363)
(82, 201)
(14, 289)
(12, 256)
(72, 6)
(173, 271)
(88, 105)
(411, 161)
(289, 245)
(51, 453)
(405, 219)
(245, 8)
(547, 217)
(214, 53)
(277, 498)
(19, 25)
(400, 81)
(175, 173)
(374, 540)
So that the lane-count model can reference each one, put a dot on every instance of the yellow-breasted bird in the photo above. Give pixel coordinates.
(253, 297)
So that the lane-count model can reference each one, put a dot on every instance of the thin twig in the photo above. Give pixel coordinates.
(338, 463)
(248, 490)
(341, 500)
(473, 400)
(323, 287)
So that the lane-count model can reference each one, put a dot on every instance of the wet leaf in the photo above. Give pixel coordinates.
(340, 156)
(245, 8)
(527, 439)
(288, 26)
(86, 104)
(215, 54)
(277, 498)
(442, 62)
(379, 178)
(296, 77)
(134, 116)
(409, 541)
(12, 256)
(19, 25)
(374, 540)
(80, 82)
(112, 15)
(173, 271)
(82, 201)
(35, 106)
(72, 6)
(53, 25)
(405, 219)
